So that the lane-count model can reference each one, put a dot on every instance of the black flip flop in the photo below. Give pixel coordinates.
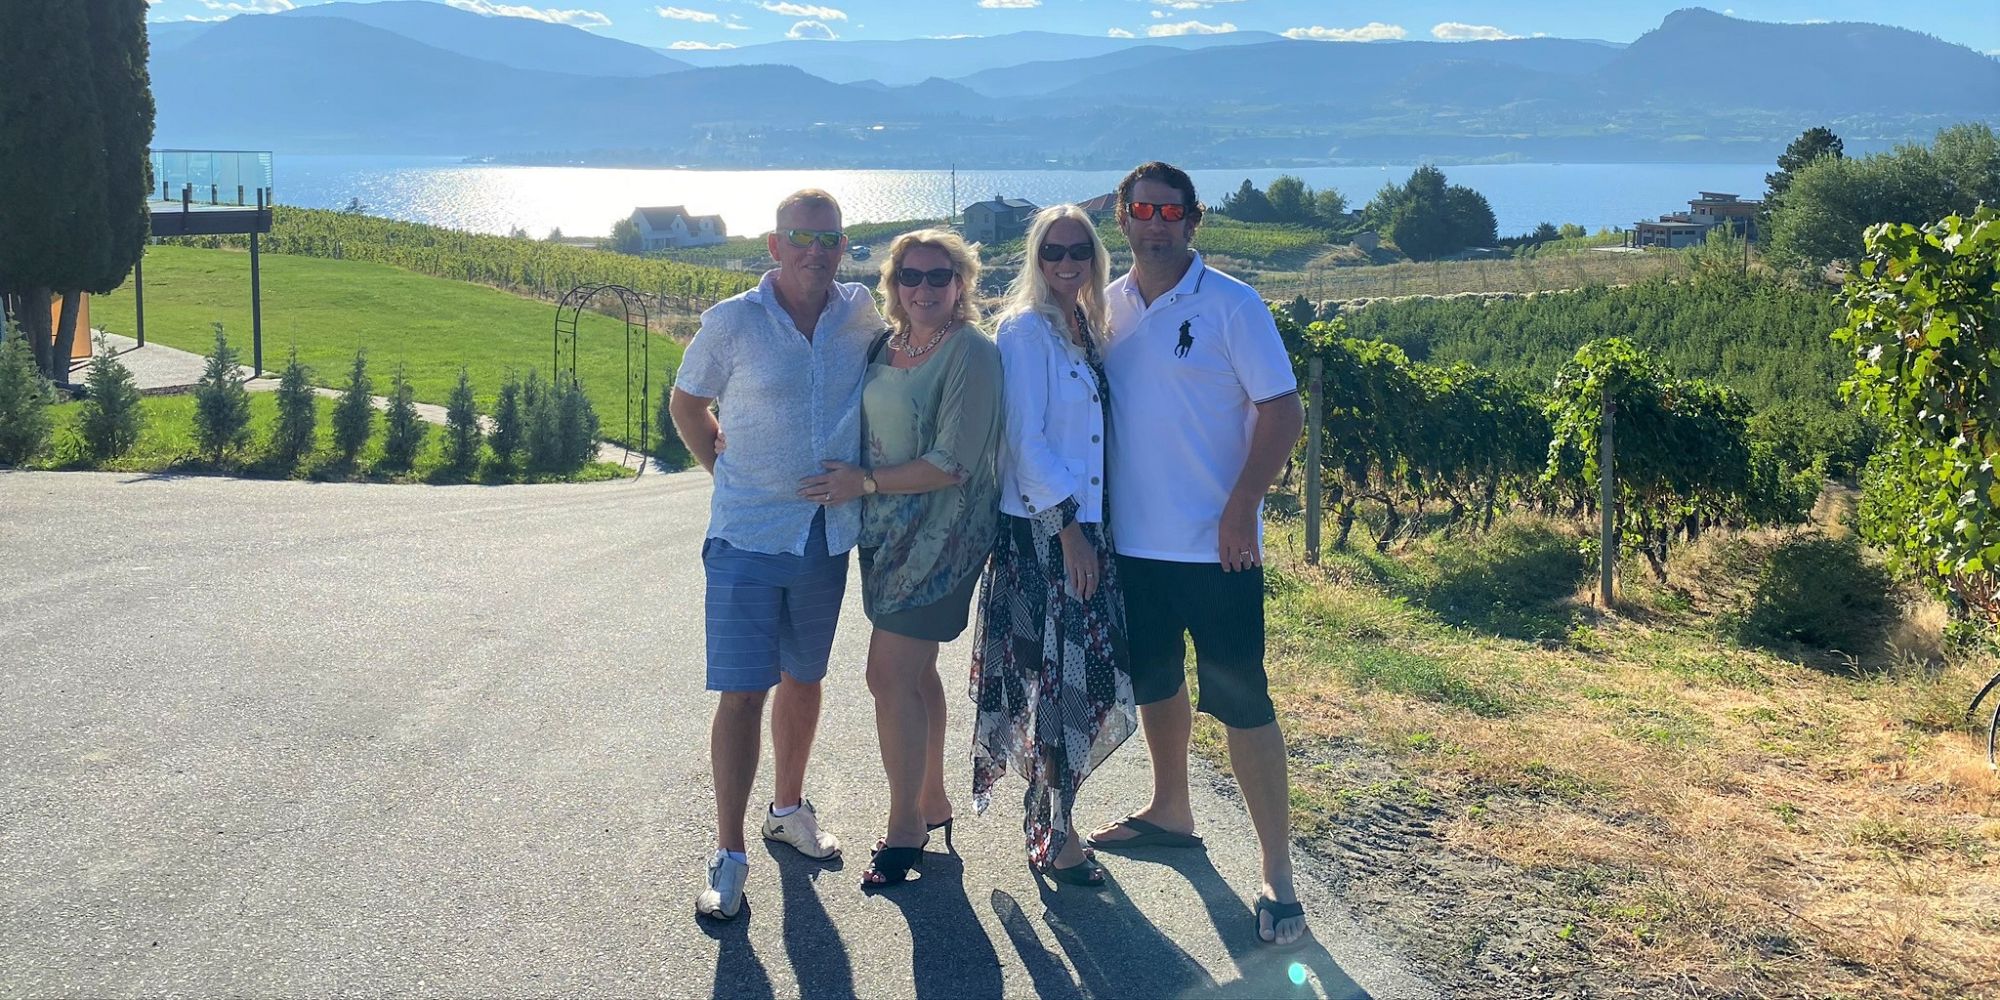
(1146, 834)
(1279, 912)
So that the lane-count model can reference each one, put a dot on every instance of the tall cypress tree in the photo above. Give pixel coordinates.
(125, 103)
(75, 120)
(51, 161)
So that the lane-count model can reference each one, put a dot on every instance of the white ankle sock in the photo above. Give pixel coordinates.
(787, 811)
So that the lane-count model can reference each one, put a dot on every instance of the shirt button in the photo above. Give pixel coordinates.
(1093, 397)
(1072, 374)
(1024, 498)
(1093, 480)
(1093, 439)
(1031, 508)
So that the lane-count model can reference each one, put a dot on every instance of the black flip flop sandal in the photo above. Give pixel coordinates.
(1145, 834)
(1279, 912)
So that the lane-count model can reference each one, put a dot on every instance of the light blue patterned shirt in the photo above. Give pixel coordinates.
(786, 404)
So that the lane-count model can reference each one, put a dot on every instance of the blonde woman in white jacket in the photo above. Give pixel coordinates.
(1049, 658)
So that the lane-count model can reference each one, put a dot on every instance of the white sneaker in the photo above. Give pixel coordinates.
(800, 828)
(724, 896)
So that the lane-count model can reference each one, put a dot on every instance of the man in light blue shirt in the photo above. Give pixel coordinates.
(783, 363)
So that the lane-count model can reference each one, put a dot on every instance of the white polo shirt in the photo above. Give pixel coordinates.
(1187, 373)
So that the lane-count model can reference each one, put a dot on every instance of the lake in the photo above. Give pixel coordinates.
(584, 201)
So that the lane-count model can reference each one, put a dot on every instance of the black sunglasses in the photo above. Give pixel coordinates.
(1052, 252)
(937, 277)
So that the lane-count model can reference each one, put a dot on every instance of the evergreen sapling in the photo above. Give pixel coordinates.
(24, 403)
(292, 437)
(111, 416)
(221, 404)
(461, 421)
(402, 430)
(354, 414)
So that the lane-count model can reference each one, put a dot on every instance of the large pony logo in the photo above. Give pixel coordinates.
(1187, 340)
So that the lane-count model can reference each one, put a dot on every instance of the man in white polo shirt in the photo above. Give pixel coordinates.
(1204, 413)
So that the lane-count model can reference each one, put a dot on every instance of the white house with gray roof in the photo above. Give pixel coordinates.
(670, 226)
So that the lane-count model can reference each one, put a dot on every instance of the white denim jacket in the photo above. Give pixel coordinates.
(1052, 448)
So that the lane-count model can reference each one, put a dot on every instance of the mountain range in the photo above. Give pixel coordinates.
(412, 77)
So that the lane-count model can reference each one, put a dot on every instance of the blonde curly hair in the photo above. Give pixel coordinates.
(964, 261)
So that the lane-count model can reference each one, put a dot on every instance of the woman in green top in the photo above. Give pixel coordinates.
(930, 413)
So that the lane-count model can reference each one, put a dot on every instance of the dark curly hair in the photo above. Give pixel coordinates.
(1166, 173)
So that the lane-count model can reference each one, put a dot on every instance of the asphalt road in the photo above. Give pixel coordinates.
(277, 738)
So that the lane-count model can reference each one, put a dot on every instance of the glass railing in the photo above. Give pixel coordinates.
(212, 176)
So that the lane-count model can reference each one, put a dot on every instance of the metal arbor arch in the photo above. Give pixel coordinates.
(638, 373)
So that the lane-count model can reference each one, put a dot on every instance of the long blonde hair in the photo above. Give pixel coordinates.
(1030, 292)
(963, 260)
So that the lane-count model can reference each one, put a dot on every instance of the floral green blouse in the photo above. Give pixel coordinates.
(945, 411)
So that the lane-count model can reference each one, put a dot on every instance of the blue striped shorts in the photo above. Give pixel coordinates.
(769, 612)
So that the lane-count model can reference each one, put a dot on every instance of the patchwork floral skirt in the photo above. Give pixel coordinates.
(1048, 675)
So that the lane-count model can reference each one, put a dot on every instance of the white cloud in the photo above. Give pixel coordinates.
(1118, 33)
(803, 10)
(811, 29)
(736, 26)
(1157, 14)
(1009, 4)
(701, 46)
(573, 18)
(1191, 4)
(1188, 28)
(684, 14)
(1373, 31)
(250, 6)
(1458, 31)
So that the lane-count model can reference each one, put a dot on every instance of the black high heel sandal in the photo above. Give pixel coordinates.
(944, 824)
(1087, 873)
(894, 864)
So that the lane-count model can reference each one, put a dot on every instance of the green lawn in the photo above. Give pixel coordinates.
(331, 308)
(167, 444)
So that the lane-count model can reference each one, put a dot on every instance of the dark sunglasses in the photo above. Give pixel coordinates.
(937, 277)
(1143, 211)
(802, 238)
(1075, 251)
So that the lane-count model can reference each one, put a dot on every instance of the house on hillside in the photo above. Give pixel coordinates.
(1686, 229)
(670, 227)
(998, 220)
(1102, 207)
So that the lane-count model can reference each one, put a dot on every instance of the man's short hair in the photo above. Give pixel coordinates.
(1166, 173)
(808, 198)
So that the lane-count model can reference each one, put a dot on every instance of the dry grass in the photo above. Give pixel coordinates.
(1709, 818)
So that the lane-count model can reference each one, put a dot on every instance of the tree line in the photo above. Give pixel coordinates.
(1425, 216)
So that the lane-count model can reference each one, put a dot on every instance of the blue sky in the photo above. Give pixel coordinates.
(718, 23)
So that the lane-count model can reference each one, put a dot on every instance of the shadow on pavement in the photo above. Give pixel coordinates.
(950, 954)
(812, 943)
(738, 970)
(1266, 971)
(1051, 979)
(1114, 949)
